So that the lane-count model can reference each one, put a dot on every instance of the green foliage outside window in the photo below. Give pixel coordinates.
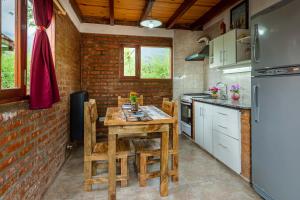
(155, 63)
(129, 61)
(8, 69)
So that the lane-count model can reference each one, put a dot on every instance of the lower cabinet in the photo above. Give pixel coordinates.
(203, 125)
(217, 130)
(227, 150)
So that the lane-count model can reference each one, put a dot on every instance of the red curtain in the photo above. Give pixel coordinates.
(43, 85)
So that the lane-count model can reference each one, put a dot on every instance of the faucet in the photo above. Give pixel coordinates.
(223, 93)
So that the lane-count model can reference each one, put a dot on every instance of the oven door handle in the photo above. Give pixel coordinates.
(189, 113)
(187, 104)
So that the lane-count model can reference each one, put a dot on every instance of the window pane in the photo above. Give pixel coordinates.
(8, 44)
(129, 61)
(31, 27)
(155, 62)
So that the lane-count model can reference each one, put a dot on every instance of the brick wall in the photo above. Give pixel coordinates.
(100, 62)
(33, 143)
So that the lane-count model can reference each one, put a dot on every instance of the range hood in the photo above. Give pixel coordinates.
(203, 53)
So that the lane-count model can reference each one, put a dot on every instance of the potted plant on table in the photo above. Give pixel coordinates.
(214, 92)
(235, 92)
(133, 101)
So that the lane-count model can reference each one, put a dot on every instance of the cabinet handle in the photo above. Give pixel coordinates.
(254, 45)
(222, 114)
(221, 59)
(225, 147)
(224, 56)
(222, 126)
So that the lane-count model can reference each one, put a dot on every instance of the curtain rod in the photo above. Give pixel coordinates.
(59, 6)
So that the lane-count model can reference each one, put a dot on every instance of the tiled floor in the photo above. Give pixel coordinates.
(201, 178)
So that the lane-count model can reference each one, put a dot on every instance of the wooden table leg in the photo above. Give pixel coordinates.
(111, 166)
(164, 188)
(175, 148)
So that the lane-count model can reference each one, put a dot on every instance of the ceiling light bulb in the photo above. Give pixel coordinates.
(151, 25)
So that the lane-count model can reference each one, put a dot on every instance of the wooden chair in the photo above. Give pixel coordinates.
(95, 152)
(122, 101)
(148, 150)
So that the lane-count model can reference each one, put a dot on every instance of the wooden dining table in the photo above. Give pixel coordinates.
(118, 126)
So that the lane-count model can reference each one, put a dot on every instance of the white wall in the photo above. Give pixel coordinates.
(188, 75)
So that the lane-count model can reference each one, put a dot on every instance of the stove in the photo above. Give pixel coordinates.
(188, 97)
(186, 111)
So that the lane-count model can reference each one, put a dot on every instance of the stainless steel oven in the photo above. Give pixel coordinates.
(187, 111)
(186, 117)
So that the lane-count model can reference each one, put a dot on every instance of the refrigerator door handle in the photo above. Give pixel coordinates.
(256, 104)
(254, 45)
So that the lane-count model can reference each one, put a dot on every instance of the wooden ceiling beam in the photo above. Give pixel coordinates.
(213, 12)
(111, 12)
(183, 8)
(147, 9)
(76, 9)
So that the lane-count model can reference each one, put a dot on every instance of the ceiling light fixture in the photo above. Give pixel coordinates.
(151, 23)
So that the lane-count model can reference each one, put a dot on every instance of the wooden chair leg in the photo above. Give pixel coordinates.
(175, 167)
(137, 162)
(175, 144)
(124, 171)
(94, 168)
(143, 170)
(87, 175)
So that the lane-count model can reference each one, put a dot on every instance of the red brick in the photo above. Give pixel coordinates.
(43, 132)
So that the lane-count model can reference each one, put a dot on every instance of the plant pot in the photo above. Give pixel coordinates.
(235, 96)
(134, 106)
(214, 95)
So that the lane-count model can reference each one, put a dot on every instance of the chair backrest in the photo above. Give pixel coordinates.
(122, 101)
(90, 120)
(171, 108)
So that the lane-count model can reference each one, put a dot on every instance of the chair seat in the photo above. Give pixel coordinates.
(141, 145)
(147, 145)
(123, 146)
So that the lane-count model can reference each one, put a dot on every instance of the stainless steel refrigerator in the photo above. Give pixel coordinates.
(275, 36)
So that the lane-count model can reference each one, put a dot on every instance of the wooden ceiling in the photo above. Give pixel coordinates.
(182, 14)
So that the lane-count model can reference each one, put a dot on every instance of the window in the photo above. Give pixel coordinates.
(129, 61)
(13, 43)
(17, 35)
(31, 27)
(156, 62)
(146, 62)
(9, 41)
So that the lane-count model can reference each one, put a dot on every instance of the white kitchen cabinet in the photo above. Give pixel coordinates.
(203, 125)
(218, 51)
(217, 130)
(227, 150)
(229, 49)
(227, 137)
(229, 54)
(208, 122)
(211, 54)
(199, 123)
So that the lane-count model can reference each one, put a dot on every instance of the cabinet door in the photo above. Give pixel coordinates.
(227, 150)
(208, 119)
(218, 51)
(211, 54)
(229, 54)
(199, 123)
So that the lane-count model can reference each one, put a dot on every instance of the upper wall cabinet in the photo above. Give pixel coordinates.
(230, 49)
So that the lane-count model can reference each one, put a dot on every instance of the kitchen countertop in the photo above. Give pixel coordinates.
(242, 105)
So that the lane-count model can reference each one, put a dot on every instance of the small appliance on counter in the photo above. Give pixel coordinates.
(186, 111)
